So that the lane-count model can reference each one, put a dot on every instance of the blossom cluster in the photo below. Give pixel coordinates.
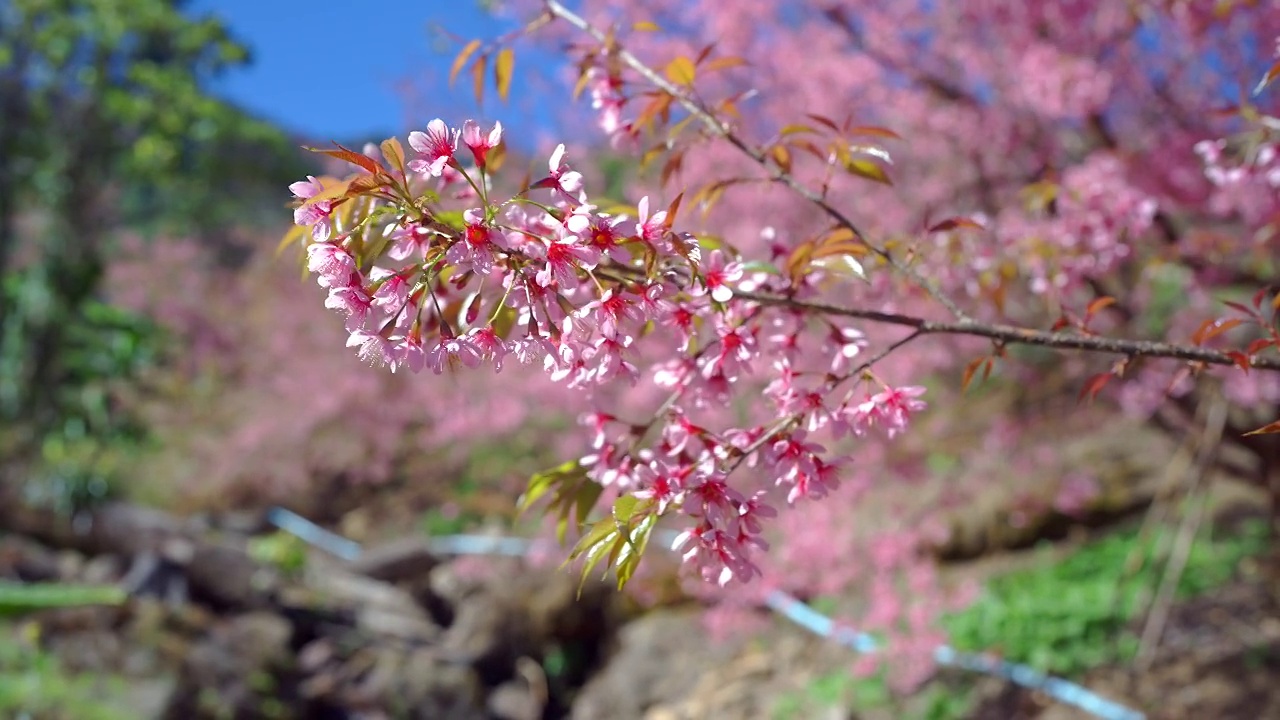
(1248, 187)
(548, 278)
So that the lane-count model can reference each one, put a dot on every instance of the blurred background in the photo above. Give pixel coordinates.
(167, 379)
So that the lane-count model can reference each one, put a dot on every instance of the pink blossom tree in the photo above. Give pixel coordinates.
(889, 193)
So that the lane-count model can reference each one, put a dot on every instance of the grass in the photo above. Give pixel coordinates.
(1062, 616)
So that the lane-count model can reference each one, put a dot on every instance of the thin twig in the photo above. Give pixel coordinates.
(1197, 500)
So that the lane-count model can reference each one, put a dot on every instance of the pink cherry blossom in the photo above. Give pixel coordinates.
(435, 147)
(450, 352)
(480, 143)
(718, 274)
(332, 264)
(563, 180)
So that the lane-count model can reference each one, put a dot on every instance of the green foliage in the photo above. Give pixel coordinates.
(870, 697)
(285, 551)
(1069, 616)
(34, 685)
(1062, 617)
(82, 454)
(18, 598)
(106, 124)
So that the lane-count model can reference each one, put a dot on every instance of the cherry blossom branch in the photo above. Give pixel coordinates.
(760, 158)
(1011, 335)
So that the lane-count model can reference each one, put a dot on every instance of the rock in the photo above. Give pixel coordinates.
(148, 698)
(28, 561)
(490, 634)
(234, 670)
(514, 700)
(660, 656)
(379, 608)
(401, 560)
(229, 576)
(100, 570)
(440, 691)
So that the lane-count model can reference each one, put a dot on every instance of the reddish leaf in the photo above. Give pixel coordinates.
(1268, 429)
(1210, 329)
(1099, 304)
(724, 63)
(956, 223)
(351, 156)
(872, 130)
(825, 121)
(969, 370)
(660, 105)
(1259, 345)
(672, 166)
(810, 147)
(1240, 308)
(672, 210)
(366, 183)
(798, 260)
(704, 54)
(1267, 79)
(1259, 296)
(1094, 386)
(1241, 360)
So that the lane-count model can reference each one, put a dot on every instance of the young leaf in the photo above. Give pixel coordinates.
(956, 223)
(704, 53)
(782, 156)
(503, 67)
(724, 63)
(831, 124)
(681, 71)
(460, 61)
(873, 130)
(359, 159)
(795, 129)
(1268, 429)
(1094, 386)
(1210, 329)
(867, 169)
(1098, 305)
(477, 76)
(1267, 79)
(393, 151)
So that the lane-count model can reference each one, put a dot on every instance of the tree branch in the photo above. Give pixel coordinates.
(720, 129)
(1011, 335)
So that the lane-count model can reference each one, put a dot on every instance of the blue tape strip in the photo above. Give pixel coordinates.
(1063, 691)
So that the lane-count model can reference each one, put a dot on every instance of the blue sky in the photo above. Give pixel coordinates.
(306, 79)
